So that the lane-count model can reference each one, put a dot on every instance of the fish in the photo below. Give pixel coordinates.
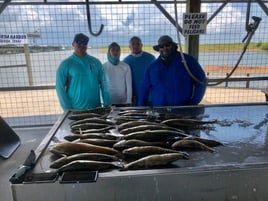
(97, 110)
(154, 135)
(147, 127)
(96, 130)
(80, 116)
(138, 152)
(191, 145)
(78, 165)
(88, 125)
(167, 116)
(135, 114)
(130, 124)
(189, 123)
(158, 160)
(123, 119)
(70, 148)
(107, 136)
(131, 111)
(92, 120)
(125, 144)
(82, 156)
(99, 142)
(208, 142)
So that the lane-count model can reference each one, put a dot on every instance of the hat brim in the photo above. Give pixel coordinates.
(157, 47)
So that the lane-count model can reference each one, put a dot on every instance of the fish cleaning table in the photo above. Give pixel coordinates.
(236, 171)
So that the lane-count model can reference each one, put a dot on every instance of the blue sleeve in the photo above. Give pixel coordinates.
(103, 85)
(144, 89)
(61, 79)
(128, 84)
(199, 88)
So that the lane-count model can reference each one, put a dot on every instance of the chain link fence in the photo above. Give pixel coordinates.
(27, 71)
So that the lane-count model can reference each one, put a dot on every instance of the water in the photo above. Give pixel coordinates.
(227, 58)
(45, 64)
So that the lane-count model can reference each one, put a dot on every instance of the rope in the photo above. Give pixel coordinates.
(252, 31)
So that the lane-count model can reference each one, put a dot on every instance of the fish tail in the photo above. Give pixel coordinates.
(211, 150)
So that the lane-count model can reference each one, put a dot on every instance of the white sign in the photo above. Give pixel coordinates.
(194, 23)
(13, 39)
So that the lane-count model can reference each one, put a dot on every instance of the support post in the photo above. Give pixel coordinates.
(192, 41)
(28, 63)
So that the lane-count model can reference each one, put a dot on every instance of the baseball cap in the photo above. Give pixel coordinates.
(81, 37)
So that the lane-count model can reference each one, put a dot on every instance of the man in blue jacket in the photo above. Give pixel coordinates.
(80, 79)
(167, 80)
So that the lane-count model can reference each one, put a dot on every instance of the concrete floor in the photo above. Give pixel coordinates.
(30, 139)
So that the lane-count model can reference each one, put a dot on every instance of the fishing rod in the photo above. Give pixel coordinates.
(251, 28)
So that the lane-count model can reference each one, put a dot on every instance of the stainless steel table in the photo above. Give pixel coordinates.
(236, 171)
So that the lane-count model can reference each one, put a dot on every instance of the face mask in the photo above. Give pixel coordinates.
(113, 60)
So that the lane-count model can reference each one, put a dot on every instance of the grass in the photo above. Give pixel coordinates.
(228, 47)
(208, 47)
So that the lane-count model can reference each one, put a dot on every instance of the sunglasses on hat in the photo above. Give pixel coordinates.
(81, 42)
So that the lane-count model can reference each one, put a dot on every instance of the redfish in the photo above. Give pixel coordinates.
(158, 160)
(89, 165)
(154, 135)
(138, 152)
(83, 156)
(125, 144)
(70, 148)
(191, 145)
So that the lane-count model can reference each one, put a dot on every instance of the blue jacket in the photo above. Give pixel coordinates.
(78, 83)
(171, 85)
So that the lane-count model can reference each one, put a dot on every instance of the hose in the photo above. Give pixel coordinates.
(251, 31)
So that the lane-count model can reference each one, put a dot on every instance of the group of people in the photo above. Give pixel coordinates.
(140, 79)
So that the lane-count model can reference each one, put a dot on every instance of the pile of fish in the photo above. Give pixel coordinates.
(128, 139)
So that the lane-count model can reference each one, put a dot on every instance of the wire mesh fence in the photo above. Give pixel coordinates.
(27, 71)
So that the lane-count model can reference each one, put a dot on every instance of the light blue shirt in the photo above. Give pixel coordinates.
(138, 64)
(80, 82)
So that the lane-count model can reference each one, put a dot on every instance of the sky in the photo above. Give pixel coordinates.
(58, 23)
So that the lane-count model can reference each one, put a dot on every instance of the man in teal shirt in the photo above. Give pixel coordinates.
(80, 79)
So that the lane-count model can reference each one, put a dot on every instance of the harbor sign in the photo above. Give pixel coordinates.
(13, 39)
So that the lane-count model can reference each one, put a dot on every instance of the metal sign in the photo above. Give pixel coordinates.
(194, 23)
(13, 39)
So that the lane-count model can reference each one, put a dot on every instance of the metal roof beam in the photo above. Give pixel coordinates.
(216, 12)
(263, 6)
(82, 2)
(166, 14)
(4, 5)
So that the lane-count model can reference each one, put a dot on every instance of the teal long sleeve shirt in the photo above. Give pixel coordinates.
(138, 65)
(81, 83)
